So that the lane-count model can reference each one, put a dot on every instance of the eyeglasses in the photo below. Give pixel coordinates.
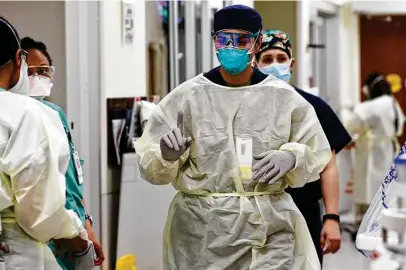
(47, 71)
(237, 40)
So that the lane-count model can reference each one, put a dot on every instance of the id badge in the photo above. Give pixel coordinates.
(244, 154)
(78, 167)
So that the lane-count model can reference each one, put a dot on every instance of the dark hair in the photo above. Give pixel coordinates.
(377, 85)
(28, 43)
(10, 42)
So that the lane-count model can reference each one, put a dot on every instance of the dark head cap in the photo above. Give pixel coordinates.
(10, 42)
(237, 17)
(377, 85)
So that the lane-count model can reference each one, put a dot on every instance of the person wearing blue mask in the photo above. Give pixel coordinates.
(275, 58)
(275, 55)
(231, 144)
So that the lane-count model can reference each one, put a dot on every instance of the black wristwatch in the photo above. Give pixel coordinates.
(89, 217)
(332, 217)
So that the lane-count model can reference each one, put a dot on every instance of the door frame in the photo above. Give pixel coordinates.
(82, 31)
(326, 13)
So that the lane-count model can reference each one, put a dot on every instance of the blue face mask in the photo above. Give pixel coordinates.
(279, 70)
(233, 60)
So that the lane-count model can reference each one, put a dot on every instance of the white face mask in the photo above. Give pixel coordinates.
(40, 86)
(279, 70)
(22, 87)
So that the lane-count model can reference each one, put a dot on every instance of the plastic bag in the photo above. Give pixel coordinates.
(369, 233)
(126, 262)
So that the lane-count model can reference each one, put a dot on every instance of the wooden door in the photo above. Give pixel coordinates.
(383, 49)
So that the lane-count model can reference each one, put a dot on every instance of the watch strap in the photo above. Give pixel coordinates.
(89, 217)
(331, 217)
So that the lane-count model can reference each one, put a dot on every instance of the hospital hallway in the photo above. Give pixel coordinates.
(110, 63)
(347, 258)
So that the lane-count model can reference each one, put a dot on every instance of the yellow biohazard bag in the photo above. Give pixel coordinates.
(126, 262)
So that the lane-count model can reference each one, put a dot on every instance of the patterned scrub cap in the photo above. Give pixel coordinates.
(276, 39)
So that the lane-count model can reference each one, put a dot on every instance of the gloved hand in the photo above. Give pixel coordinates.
(97, 246)
(273, 165)
(86, 260)
(174, 144)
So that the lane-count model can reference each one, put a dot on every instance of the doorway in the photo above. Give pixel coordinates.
(383, 43)
(321, 65)
(316, 49)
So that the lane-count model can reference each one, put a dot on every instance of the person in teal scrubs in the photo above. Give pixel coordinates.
(41, 73)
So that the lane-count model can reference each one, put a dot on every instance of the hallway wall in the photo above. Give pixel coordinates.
(280, 15)
(29, 20)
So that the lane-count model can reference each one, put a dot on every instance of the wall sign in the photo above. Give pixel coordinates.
(395, 81)
(128, 22)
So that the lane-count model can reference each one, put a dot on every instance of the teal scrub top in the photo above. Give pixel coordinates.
(74, 190)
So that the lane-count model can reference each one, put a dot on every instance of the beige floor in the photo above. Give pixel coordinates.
(348, 258)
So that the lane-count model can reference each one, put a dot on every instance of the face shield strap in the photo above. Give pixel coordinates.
(377, 80)
(8, 62)
(255, 41)
(12, 30)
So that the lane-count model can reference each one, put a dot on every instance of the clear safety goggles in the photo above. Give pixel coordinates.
(223, 39)
(46, 71)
